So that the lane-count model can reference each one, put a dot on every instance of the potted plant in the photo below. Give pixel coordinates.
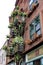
(16, 23)
(21, 28)
(11, 25)
(24, 14)
(11, 51)
(20, 13)
(5, 48)
(17, 7)
(15, 13)
(8, 36)
(14, 32)
(28, 41)
(17, 57)
(35, 35)
(19, 40)
(33, 5)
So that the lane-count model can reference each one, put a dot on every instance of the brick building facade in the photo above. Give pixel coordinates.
(33, 33)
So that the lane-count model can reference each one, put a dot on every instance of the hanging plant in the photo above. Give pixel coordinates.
(14, 32)
(18, 40)
(15, 13)
(16, 23)
(13, 44)
(5, 48)
(20, 13)
(17, 7)
(8, 36)
(20, 28)
(10, 25)
(11, 51)
(24, 14)
(17, 57)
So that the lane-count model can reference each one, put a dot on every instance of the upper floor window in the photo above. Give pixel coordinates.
(32, 4)
(33, 1)
(35, 27)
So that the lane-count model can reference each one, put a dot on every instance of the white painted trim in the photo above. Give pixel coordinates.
(35, 58)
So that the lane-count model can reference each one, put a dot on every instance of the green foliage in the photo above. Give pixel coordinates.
(11, 49)
(17, 7)
(18, 39)
(17, 57)
(16, 22)
(20, 13)
(5, 48)
(10, 25)
(24, 14)
(8, 36)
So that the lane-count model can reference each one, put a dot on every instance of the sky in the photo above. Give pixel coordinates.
(6, 7)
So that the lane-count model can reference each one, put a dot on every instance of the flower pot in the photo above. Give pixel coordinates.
(28, 41)
(17, 7)
(35, 35)
(33, 5)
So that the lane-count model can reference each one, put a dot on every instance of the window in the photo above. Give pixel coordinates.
(36, 62)
(42, 61)
(30, 63)
(31, 3)
(12, 63)
(35, 27)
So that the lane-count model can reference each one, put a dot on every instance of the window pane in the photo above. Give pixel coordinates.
(23, 63)
(31, 63)
(32, 32)
(31, 37)
(39, 32)
(32, 29)
(31, 1)
(37, 20)
(35, 27)
(35, 1)
(27, 64)
(38, 26)
(42, 61)
(12, 63)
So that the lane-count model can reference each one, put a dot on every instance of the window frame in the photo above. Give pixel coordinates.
(36, 24)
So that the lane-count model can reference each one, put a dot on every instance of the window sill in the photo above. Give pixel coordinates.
(39, 36)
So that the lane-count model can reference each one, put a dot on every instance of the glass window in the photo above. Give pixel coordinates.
(35, 27)
(42, 61)
(39, 32)
(31, 1)
(27, 64)
(30, 63)
(38, 26)
(12, 63)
